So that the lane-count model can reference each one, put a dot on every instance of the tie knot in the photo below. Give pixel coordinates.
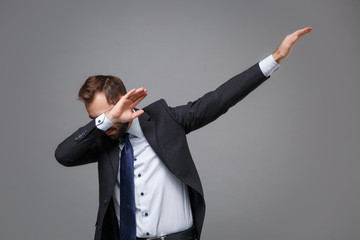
(124, 138)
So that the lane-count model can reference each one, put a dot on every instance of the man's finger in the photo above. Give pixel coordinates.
(126, 96)
(295, 36)
(138, 93)
(140, 98)
(129, 93)
(301, 32)
(137, 113)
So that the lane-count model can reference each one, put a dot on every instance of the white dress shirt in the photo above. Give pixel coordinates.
(161, 200)
(162, 204)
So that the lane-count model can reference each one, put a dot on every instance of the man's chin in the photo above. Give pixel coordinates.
(113, 136)
(116, 131)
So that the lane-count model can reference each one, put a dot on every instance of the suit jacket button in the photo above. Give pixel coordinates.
(106, 202)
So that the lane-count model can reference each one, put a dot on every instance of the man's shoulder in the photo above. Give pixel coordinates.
(159, 110)
(157, 106)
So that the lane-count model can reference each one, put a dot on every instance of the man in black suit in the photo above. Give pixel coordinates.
(168, 201)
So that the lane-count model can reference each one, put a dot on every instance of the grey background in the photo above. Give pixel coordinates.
(282, 164)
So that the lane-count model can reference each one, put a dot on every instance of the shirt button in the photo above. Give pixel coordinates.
(142, 194)
(146, 214)
(147, 234)
(139, 175)
(135, 159)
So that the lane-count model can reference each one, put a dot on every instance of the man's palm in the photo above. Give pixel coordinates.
(283, 51)
(123, 110)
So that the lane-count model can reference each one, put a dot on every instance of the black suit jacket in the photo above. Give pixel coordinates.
(165, 128)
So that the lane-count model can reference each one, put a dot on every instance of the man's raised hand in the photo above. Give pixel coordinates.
(283, 51)
(123, 112)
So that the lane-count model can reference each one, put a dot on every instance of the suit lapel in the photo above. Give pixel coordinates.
(112, 154)
(148, 128)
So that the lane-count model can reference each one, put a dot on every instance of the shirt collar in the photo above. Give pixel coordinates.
(135, 128)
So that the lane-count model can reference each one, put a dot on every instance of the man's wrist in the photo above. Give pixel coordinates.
(278, 57)
(103, 123)
(268, 65)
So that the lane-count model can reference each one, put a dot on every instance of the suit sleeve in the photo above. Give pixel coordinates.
(213, 104)
(80, 147)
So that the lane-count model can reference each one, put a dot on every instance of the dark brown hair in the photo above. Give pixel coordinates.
(112, 86)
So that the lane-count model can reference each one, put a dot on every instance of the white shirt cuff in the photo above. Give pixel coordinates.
(268, 65)
(102, 122)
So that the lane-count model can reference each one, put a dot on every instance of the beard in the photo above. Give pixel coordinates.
(117, 130)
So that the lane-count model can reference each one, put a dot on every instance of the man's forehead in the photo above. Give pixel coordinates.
(98, 105)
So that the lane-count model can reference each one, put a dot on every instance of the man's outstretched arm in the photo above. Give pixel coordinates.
(213, 104)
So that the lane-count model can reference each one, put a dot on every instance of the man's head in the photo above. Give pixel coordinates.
(100, 93)
(112, 87)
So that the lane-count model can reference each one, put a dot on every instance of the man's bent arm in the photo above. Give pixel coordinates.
(80, 147)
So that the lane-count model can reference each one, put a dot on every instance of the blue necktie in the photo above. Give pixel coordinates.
(127, 196)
